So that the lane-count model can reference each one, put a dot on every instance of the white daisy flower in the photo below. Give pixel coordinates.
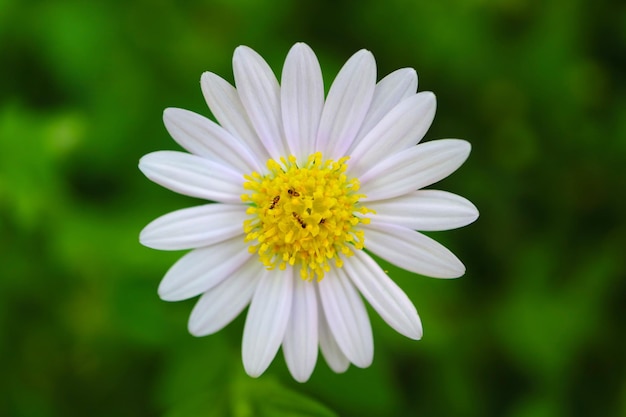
(303, 188)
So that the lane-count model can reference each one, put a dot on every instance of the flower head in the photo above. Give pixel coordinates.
(303, 187)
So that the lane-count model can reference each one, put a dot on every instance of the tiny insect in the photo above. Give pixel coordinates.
(322, 221)
(293, 192)
(299, 219)
(274, 202)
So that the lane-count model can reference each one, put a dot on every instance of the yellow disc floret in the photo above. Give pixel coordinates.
(304, 216)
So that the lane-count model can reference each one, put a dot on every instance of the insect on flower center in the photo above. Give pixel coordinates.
(304, 216)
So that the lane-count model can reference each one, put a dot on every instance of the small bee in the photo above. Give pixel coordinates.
(299, 219)
(293, 192)
(274, 202)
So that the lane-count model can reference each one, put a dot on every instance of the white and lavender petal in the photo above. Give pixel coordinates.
(412, 251)
(347, 103)
(302, 100)
(267, 320)
(331, 351)
(201, 269)
(389, 91)
(193, 176)
(194, 227)
(404, 126)
(414, 168)
(347, 317)
(301, 339)
(221, 304)
(384, 295)
(205, 138)
(226, 106)
(260, 95)
(427, 210)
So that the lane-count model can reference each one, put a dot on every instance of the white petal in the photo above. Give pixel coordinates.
(347, 318)
(335, 358)
(193, 176)
(384, 295)
(412, 251)
(221, 304)
(205, 138)
(403, 126)
(302, 100)
(427, 210)
(301, 339)
(226, 106)
(194, 227)
(202, 269)
(389, 91)
(260, 94)
(267, 320)
(347, 103)
(414, 168)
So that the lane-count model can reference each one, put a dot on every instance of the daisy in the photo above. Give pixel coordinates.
(303, 188)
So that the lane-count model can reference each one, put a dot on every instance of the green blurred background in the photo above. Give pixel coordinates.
(536, 326)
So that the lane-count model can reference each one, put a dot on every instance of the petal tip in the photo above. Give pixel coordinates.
(207, 79)
(464, 145)
(241, 51)
(417, 333)
(169, 289)
(363, 362)
(457, 271)
(300, 46)
(365, 58)
(168, 112)
(340, 370)
(428, 95)
(460, 148)
(165, 294)
(143, 163)
(474, 215)
(407, 71)
(253, 367)
(254, 373)
(144, 237)
(193, 330)
(301, 377)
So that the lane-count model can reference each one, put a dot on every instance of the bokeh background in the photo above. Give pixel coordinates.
(535, 327)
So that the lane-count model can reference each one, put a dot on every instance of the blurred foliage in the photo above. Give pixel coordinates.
(535, 328)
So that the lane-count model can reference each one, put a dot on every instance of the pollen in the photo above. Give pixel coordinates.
(304, 216)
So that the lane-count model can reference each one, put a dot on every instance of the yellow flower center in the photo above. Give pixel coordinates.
(304, 215)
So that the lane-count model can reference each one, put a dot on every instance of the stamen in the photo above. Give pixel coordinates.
(304, 216)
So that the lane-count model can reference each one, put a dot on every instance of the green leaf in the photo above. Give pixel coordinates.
(268, 398)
